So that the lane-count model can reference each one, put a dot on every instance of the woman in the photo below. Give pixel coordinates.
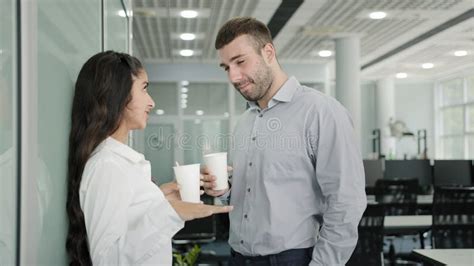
(117, 216)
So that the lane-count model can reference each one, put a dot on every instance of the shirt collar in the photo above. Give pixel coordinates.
(284, 94)
(121, 149)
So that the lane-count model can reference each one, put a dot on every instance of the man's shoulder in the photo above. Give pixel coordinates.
(316, 100)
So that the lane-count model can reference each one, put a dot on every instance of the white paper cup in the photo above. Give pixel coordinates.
(188, 178)
(217, 165)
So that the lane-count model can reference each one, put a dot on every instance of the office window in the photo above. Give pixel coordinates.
(455, 118)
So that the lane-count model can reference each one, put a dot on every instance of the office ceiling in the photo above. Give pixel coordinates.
(414, 32)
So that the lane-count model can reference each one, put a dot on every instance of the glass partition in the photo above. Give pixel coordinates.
(8, 133)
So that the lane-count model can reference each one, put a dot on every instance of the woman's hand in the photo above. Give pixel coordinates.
(190, 211)
(171, 191)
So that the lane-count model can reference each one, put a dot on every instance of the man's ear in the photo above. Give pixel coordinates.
(268, 52)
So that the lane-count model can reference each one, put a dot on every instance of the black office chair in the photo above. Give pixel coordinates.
(369, 249)
(453, 217)
(397, 195)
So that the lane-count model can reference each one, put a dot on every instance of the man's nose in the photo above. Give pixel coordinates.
(235, 75)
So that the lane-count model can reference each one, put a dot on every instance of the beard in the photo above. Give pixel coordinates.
(260, 83)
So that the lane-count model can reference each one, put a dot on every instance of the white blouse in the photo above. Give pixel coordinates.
(128, 219)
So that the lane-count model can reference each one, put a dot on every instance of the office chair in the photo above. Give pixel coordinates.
(453, 217)
(397, 195)
(369, 249)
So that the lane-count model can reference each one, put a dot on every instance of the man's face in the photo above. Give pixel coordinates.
(246, 68)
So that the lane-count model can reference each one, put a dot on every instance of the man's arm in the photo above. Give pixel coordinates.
(340, 174)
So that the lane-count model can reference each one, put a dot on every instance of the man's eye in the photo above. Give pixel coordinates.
(226, 69)
(240, 62)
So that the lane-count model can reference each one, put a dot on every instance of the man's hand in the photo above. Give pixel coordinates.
(208, 182)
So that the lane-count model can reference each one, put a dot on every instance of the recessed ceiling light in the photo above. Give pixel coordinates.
(401, 75)
(184, 90)
(160, 112)
(188, 13)
(187, 36)
(427, 65)
(184, 101)
(325, 53)
(184, 96)
(377, 15)
(199, 112)
(186, 52)
(184, 106)
(185, 83)
(460, 53)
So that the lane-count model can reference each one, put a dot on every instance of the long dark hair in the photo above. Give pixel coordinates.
(102, 91)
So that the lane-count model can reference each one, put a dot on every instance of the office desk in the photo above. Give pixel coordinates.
(407, 224)
(420, 199)
(446, 256)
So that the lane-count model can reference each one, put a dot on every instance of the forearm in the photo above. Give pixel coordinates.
(338, 235)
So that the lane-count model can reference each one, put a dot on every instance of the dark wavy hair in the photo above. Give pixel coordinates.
(102, 91)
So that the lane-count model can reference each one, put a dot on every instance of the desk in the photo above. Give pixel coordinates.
(446, 256)
(407, 223)
(420, 199)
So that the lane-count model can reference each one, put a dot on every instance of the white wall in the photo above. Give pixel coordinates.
(368, 116)
(414, 105)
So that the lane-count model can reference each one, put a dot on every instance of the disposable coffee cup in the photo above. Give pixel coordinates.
(217, 165)
(188, 178)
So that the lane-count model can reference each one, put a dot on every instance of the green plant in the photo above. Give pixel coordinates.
(189, 258)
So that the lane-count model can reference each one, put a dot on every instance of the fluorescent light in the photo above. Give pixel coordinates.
(427, 65)
(325, 53)
(184, 90)
(401, 75)
(187, 36)
(184, 96)
(377, 15)
(184, 101)
(160, 112)
(460, 53)
(186, 52)
(188, 13)
(123, 14)
(185, 83)
(199, 112)
(184, 105)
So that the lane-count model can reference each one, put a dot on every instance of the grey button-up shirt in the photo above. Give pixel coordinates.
(298, 178)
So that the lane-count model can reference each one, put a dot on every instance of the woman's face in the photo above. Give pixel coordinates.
(137, 110)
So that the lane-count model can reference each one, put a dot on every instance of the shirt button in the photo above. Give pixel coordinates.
(248, 189)
(245, 216)
(241, 241)
(261, 115)
(254, 138)
(250, 164)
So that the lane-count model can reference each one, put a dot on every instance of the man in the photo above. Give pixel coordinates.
(298, 179)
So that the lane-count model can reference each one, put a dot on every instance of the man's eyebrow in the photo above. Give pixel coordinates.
(231, 59)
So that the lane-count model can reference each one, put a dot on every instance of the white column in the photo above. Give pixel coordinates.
(385, 110)
(348, 80)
